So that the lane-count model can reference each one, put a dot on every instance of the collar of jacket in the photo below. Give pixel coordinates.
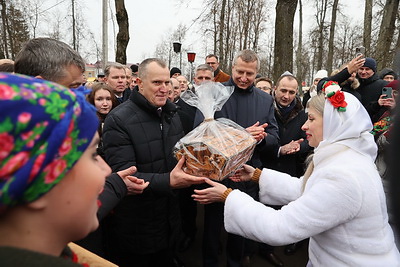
(368, 80)
(293, 113)
(168, 110)
(248, 90)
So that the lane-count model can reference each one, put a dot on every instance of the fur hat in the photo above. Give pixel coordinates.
(134, 68)
(387, 71)
(174, 70)
(370, 63)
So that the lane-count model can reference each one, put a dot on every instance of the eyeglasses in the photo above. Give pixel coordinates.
(265, 88)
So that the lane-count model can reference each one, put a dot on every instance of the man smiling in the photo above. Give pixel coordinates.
(142, 132)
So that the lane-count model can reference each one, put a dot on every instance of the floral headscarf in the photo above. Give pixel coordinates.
(44, 129)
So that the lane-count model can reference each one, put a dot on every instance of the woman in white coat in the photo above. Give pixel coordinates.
(339, 203)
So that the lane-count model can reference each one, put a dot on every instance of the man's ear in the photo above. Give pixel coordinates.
(139, 83)
(39, 77)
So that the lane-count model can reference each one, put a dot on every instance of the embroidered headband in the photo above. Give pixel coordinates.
(335, 95)
(44, 129)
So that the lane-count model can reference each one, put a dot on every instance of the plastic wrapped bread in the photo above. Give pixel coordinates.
(215, 148)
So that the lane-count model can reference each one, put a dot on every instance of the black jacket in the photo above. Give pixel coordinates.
(135, 135)
(370, 90)
(290, 129)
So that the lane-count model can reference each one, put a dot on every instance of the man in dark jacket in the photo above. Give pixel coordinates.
(370, 85)
(252, 109)
(142, 132)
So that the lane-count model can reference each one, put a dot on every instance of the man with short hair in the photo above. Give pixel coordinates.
(115, 77)
(371, 86)
(51, 60)
(183, 82)
(264, 84)
(252, 109)
(219, 75)
(204, 73)
(176, 89)
(142, 132)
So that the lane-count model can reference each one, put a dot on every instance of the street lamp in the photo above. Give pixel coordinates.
(177, 49)
(191, 56)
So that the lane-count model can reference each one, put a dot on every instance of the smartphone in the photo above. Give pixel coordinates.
(360, 51)
(387, 91)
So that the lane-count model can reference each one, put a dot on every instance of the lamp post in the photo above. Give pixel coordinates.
(191, 56)
(177, 49)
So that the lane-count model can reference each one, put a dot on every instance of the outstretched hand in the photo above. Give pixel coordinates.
(180, 179)
(211, 194)
(243, 174)
(291, 148)
(133, 184)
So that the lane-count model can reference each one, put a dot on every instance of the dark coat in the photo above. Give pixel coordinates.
(290, 129)
(186, 114)
(135, 135)
(370, 90)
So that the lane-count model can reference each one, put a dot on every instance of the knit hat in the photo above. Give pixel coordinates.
(321, 74)
(370, 63)
(134, 68)
(394, 85)
(44, 130)
(387, 71)
(174, 70)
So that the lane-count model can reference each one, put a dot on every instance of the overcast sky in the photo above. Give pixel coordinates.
(151, 20)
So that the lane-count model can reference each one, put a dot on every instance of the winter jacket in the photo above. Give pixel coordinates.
(342, 210)
(341, 78)
(370, 90)
(220, 76)
(290, 129)
(135, 135)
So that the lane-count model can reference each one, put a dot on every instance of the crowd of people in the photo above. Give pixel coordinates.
(93, 163)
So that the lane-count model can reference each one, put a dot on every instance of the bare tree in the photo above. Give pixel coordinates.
(283, 52)
(299, 52)
(386, 34)
(367, 26)
(123, 33)
(332, 36)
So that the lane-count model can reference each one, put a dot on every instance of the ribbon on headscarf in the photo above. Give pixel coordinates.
(44, 129)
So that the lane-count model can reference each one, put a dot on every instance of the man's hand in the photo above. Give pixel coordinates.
(291, 148)
(355, 64)
(257, 131)
(133, 184)
(180, 179)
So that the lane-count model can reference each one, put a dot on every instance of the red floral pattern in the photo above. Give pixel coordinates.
(6, 144)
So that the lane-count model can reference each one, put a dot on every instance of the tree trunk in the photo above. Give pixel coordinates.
(123, 33)
(386, 34)
(73, 26)
(299, 53)
(321, 14)
(221, 28)
(332, 36)
(4, 21)
(367, 26)
(283, 50)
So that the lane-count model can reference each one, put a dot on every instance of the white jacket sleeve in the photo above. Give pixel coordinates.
(327, 202)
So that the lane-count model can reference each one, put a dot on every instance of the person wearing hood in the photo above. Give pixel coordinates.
(339, 203)
(388, 74)
(313, 89)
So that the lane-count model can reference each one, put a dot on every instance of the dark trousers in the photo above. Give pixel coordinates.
(213, 225)
(188, 208)
(160, 258)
